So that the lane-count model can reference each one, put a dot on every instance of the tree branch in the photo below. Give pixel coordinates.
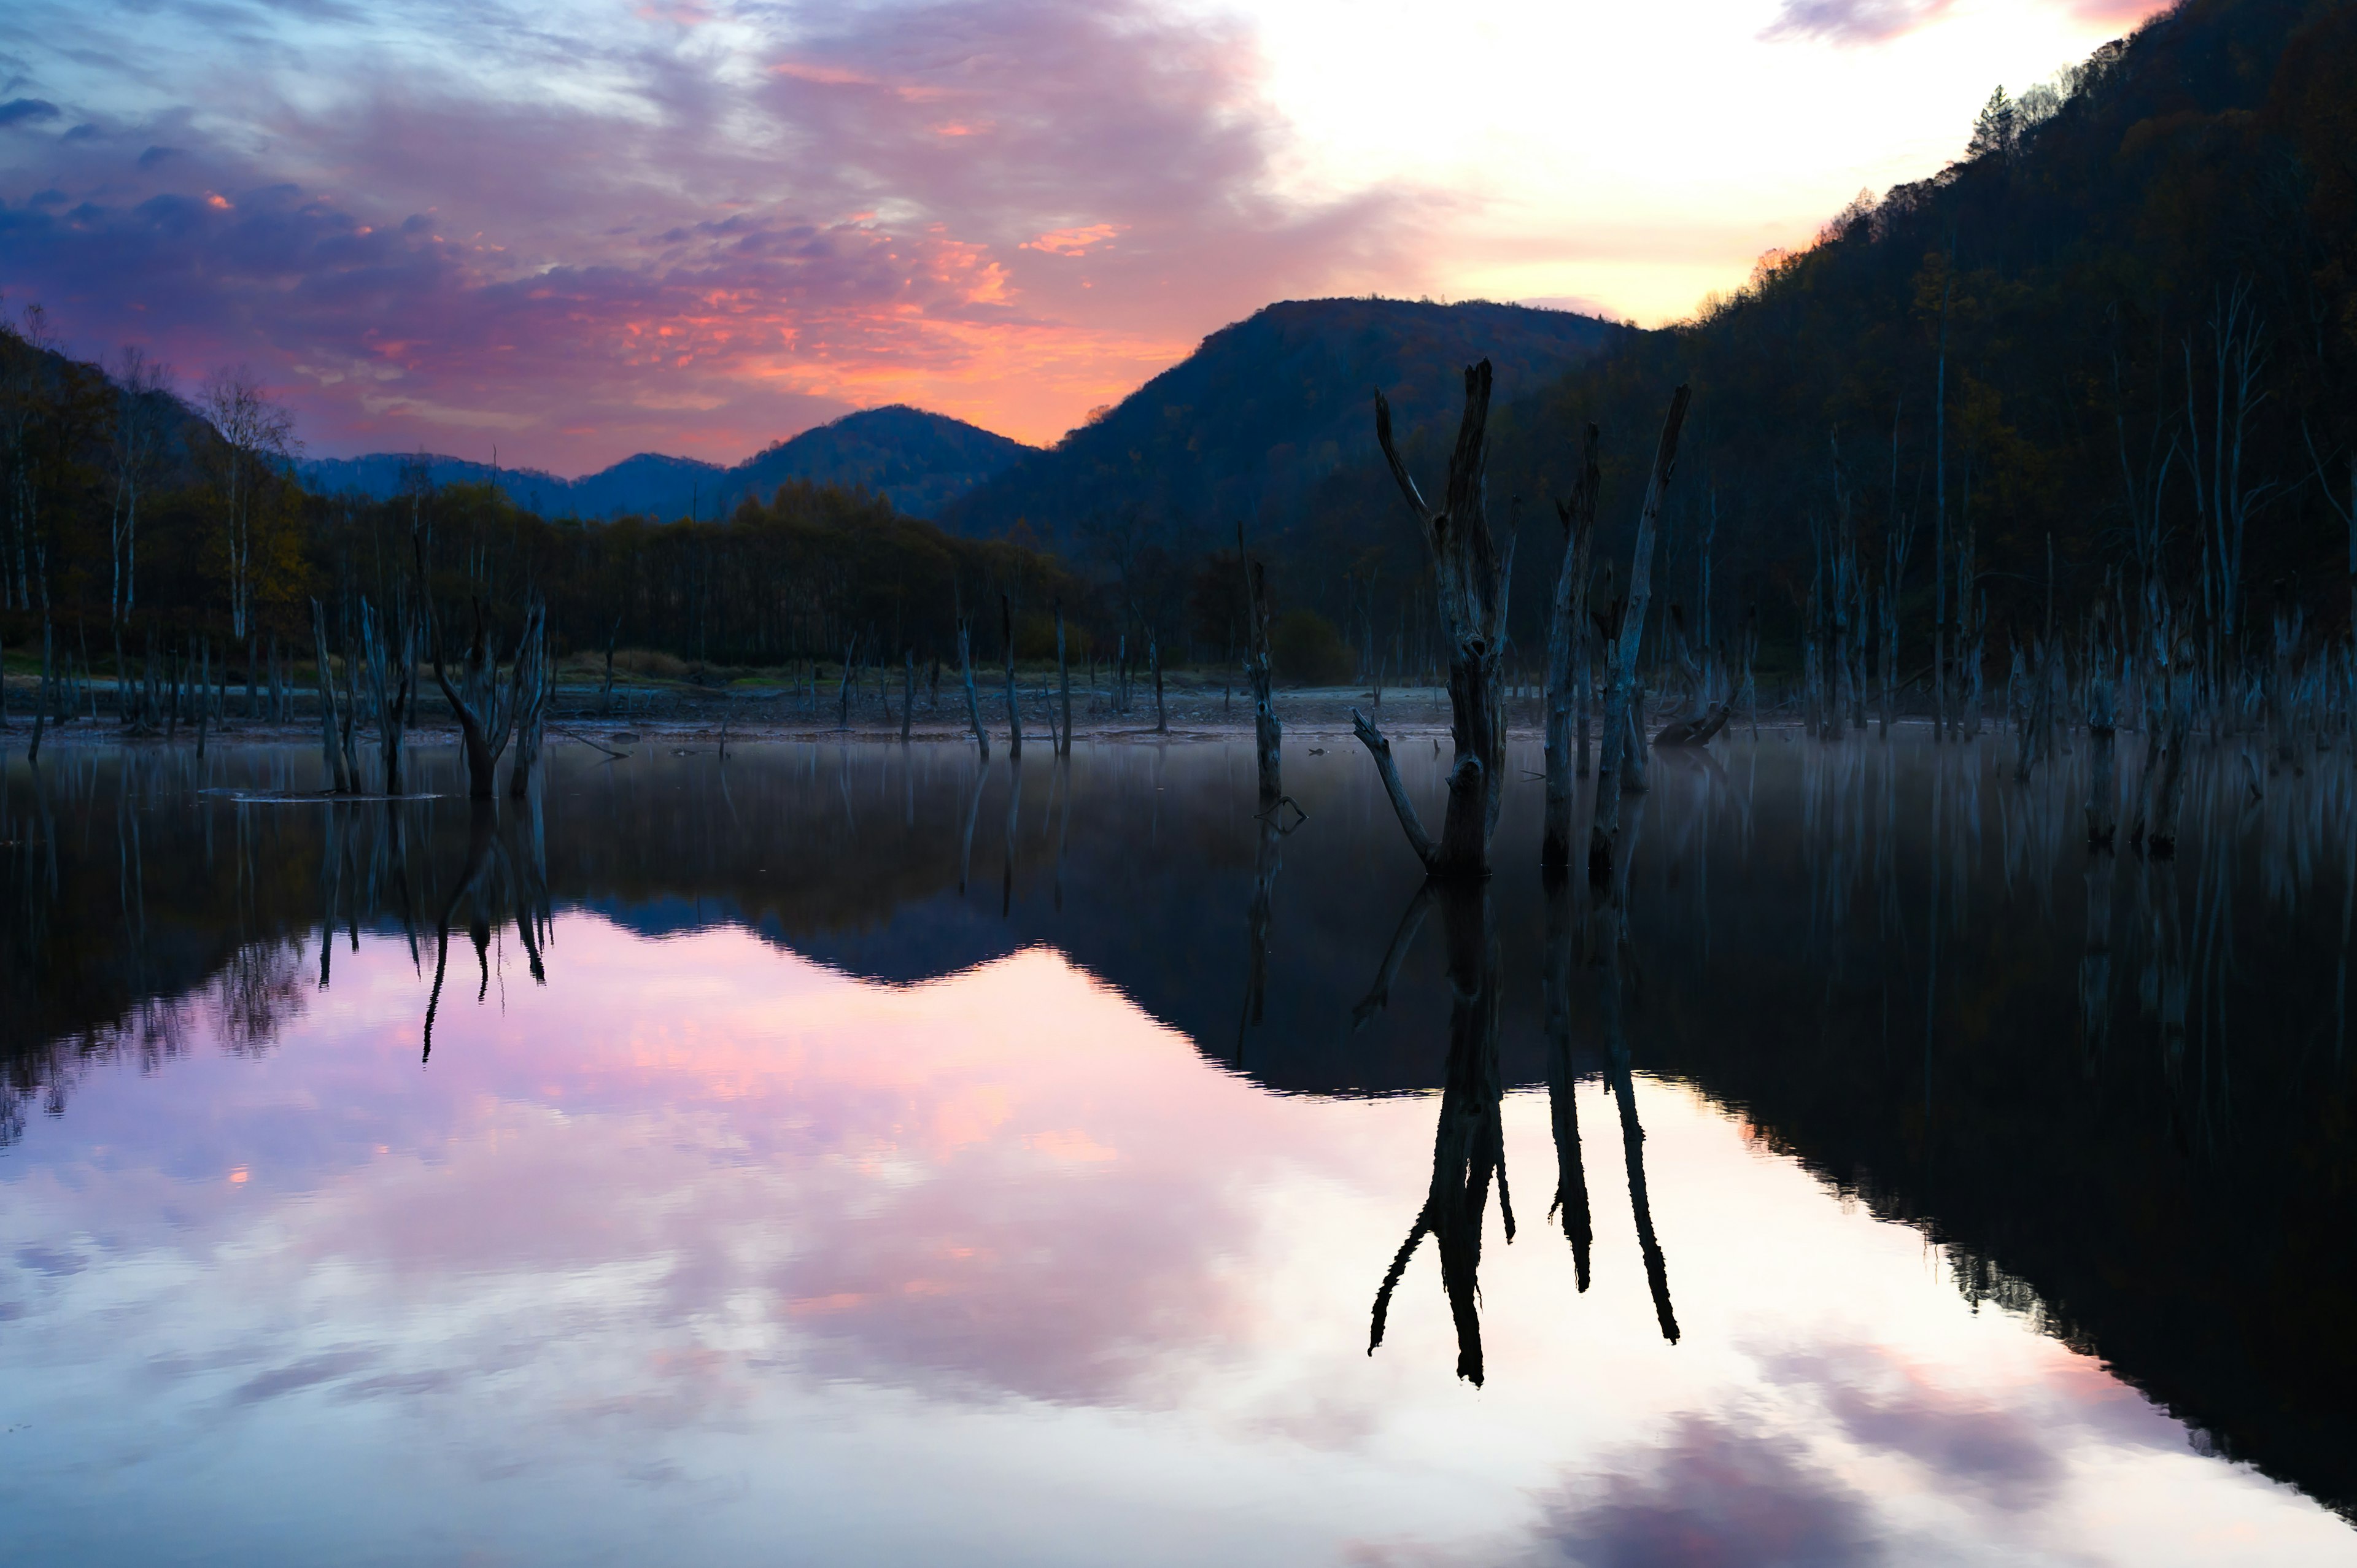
(1380, 750)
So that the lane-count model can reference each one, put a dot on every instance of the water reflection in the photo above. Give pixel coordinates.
(758, 1114)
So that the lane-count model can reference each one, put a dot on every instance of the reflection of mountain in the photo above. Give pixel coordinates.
(2170, 1190)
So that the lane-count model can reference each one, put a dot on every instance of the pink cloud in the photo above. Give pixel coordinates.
(915, 207)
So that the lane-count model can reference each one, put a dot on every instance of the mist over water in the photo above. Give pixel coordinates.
(855, 1153)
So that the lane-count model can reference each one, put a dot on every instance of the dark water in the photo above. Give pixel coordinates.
(849, 1154)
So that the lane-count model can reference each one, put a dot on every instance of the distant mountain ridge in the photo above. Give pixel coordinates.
(920, 461)
(1244, 427)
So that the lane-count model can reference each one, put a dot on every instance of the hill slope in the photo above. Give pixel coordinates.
(920, 461)
(1243, 427)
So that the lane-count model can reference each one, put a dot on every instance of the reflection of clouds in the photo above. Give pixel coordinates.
(1712, 1494)
(1882, 1402)
(1008, 1182)
(2009, 1455)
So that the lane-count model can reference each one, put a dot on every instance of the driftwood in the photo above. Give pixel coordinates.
(1566, 664)
(1621, 708)
(1469, 580)
(1693, 732)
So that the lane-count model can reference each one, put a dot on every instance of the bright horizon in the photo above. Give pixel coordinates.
(581, 232)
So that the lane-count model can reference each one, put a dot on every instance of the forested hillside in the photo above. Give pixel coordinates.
(2120, 328)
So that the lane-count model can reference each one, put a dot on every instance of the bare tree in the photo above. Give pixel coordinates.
(254, 433)
(141, 385)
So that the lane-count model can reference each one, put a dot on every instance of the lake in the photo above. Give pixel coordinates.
(859, 1154)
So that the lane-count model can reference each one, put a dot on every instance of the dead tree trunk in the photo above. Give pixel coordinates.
(973, 703)
(484, 716)
(1268, 735)
(534, 685)
(1568, 630)
(339, 781)
(843, 687)
(907, 690)
(1154, 657)
(1604, 830)
(1470, 577)
(391, 653)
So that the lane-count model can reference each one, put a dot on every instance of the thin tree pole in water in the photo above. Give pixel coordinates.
(1268, 734)
(1567, 631)
(1064, 683)
(1154, 657)
(340, 780)
(907, 690)
(1612, 936)
(1469, 578)
(1014, 715)
(1620, 718)
(966, 669)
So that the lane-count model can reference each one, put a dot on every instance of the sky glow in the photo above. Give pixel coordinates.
(582, 229)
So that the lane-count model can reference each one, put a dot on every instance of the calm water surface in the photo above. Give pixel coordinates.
(853, 1154)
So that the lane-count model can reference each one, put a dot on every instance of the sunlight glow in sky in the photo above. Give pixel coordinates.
(580, 229)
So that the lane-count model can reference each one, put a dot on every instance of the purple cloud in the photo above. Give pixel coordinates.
(1853, 21)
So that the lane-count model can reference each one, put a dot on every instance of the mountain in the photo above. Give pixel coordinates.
(1243, 427)
(923, 462)
(920, 461)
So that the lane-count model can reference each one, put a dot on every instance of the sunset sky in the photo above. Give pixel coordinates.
(580, 229)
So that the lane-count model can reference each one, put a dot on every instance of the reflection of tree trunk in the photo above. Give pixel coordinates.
(2095, 962)
(1265, 861)
(481, 821)
(1611, 933)
(1014, 829)
(397, 830)
(973, 814)
(1469, 1144)
(1563, 1103)
(1379, 995)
